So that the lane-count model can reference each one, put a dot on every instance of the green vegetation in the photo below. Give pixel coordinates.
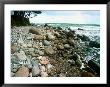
(21, 18)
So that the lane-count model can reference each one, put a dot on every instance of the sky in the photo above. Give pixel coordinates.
(75, 17)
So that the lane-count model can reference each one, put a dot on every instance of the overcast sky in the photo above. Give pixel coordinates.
(77, 17)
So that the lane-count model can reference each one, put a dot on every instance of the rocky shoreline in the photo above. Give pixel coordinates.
(44, 51)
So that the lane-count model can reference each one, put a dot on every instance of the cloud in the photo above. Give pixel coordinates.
(77, 17)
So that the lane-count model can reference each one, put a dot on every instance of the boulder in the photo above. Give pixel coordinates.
(94, 65)
(35, 31)
(22, 72)
(35, 69)
(94, 44)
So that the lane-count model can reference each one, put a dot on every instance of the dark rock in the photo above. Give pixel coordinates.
(83, 37)
(35, 31)
(78, 62)
(95, 66)
(94, 44)
(87, 74)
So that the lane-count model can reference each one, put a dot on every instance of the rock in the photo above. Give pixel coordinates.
(13, 48)
(22, 72)
(44, 74)
(21, 55)
(67, 46)
(56, 34)
(50, 37)
(35, 31)
(35, 69)
(49, 66)
(42, 68)
(83, 37)
(95, 66)
(41, 52)
(31, 49)
(94, 44)
(72, 62)
(29, 45)
(12, 74)
(39, 37)
(78, 62)
(60, 47)
(56, 41)
(71, 42)
(24, 45)
(75, 57)
(87, 74)
(46, 43)
(62, 75)
(49, 50)
(43, 60)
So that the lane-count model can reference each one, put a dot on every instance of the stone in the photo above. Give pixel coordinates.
(42, 68)
(71, 42)
(87, 74)
(12, 74)
(62, 75)
(50, 37)
(35, 69)
(22, 72)
(31, 49)
(46, 43)
(60, 47)
(94, 65)
(24, 45)
(78, 62)
(49, 66)
(13, 48)
(29, 45)
(21, 55)
(41, 52)
(83, 37)
(67, 46)
(72, 62)
(57, 34)
(43, 60)
(39, 37)
(56, 41)
(94, 44)
(44, 74)
(35, 31)
(49, 50)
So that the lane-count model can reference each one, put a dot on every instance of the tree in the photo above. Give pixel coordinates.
(22, 17)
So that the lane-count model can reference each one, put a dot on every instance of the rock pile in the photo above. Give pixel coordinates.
(46, 52)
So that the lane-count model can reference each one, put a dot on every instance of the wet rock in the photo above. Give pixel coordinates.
(35, 69)
(35, 31)
(78, 62)
(67, 46)
(71, 42)
(46, 43)
(87, 74)
(22, 72)
(75, 57)
(95, 66)
(83, 37)
(49, 50)
(94, 44)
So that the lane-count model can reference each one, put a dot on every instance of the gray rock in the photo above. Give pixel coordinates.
(31, 49)
(46, 43)
(41, 53)
(67, 46)
(35, 69)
